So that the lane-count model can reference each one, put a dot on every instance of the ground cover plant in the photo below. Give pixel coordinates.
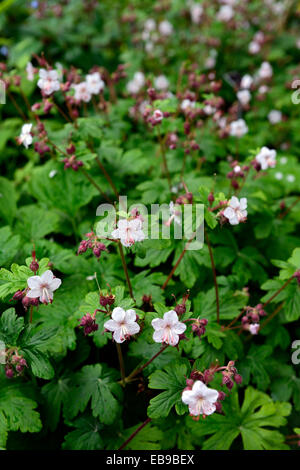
(122, 327)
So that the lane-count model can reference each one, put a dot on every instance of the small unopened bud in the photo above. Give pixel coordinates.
(34, 266)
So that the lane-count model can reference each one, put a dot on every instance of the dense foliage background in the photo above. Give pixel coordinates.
(68, 393)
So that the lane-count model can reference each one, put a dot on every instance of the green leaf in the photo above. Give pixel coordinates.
(252, 421)
(172, 380)
(8, 205)
(11, 281)
(10, 326)
(98, 384)
(9, 245)
(86, 436)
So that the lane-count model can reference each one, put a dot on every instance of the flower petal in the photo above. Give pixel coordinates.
(179, 328)
(158, 323)
(118, 336)
(130, 315)
(111, 325)
(47, 277)
(118, 314)
(188, 397)
(34, 282)
(55, 283)
(132, 328)
(171, 317)
(33, 293)
(158, 336)
(208, 408)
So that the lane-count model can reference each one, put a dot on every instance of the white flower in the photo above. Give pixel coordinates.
(43, 286)
(52, 173)
(48, 81)
(266, 158)
(209, 110)
(149, 25)
(263, 89)
(175, 214)
(30, 71)
(129, 231)
(138, 81)
(168, 328)
(123, 324)
(244, 96)
(210, 62)
(265, 70)
(236, 210)
(238, 128)
(275, 116)
(254, 328)
(25, 137)
(254, 47)
(165, 28)
(246, 81)
(225, 13)
(94, 83)
(290, 178)
(157, 116)
(161, 82)
(187, 104)
(82, 92)
(201, 399)
(196, 12)
(278, 175)
(283, 160)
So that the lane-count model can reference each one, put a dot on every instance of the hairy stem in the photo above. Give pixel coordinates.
(108, 178)
(93, 182)
(177, 262)
(135, 433)
(278, 291)
(138, 370)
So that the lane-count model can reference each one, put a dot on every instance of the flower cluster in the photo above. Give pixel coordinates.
(250, 321)
(203, 400)
(92, 243)
(14, 363)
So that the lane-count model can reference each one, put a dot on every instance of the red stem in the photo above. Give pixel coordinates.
(135, 433)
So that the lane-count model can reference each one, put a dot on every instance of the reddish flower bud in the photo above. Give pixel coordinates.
(34, 266)
(238, 378)
(18, 295)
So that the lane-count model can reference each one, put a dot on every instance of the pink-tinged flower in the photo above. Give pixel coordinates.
(175, 214)
(94, 83)
(129, 231)
(266, 158)
(254, 47)
(254, 328)
(236, 210)
(246, 82)
(25, 137)
(265, 71)
(201, 399)
(225, 14)
(168, 328)
(238, 128)
(165, 28)
(187, 105)
(48, 81)
(123, 324)
(43, 286)
(275, 116)
(161, 82)
(82, 92)
(244, 96)
(30, 70)
(196, 12)
(157, 116)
